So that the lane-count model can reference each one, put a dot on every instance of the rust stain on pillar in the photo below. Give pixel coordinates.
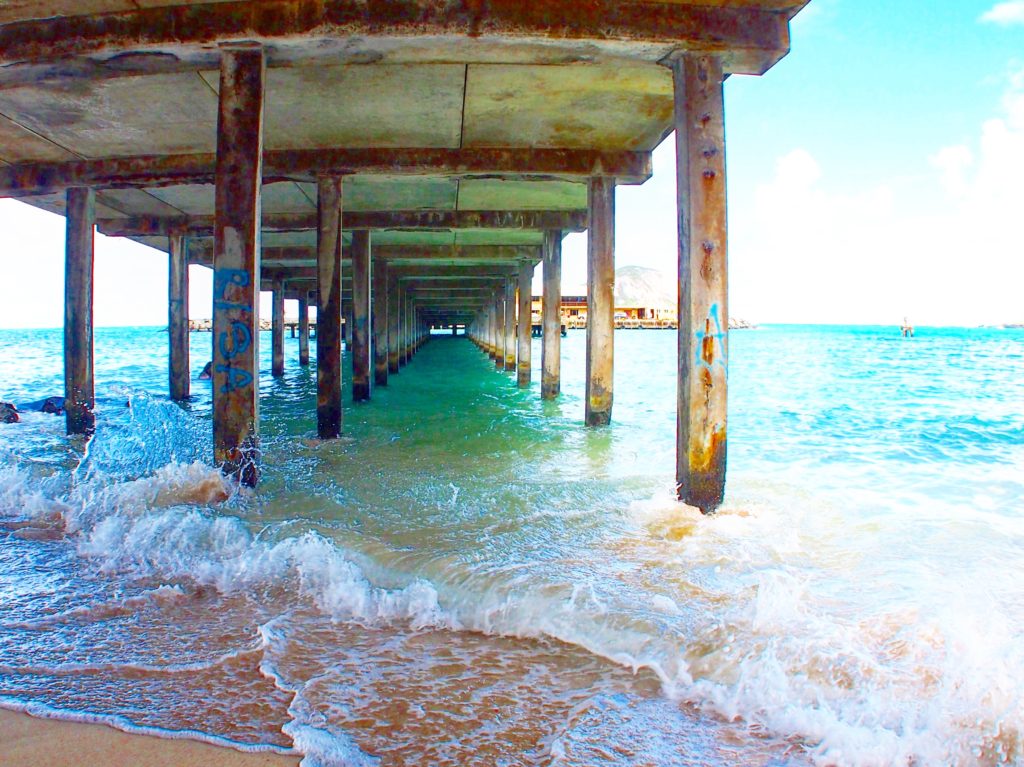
(600, 301)
(551, 352)
(236, 268)
(703, 285)
(509, 329)
(79, 386)
(393, 324)
(177, 316)
(361, 315)
(525, 325)
(328, 321)
(379, 322)
(304, 329)
(277, 329)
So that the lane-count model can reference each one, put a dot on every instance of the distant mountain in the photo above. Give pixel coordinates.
(640, 286)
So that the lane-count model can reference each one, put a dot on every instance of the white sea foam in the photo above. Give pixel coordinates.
(942, 688)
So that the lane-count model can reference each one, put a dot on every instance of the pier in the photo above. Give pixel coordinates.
(398, 166)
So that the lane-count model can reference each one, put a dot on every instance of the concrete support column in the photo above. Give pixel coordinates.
(703, 284)
(403, 317)
(551, 352)
(394, 323)
(525, 342)
(79, 386)
(304, 329)
(177, 316)
(236, 263)
(509, 329)
(346, 313)
(361, 315)
(409, 321)
(600, 301)
(277, 329)
(379, 321)
(328, 319)
(497, 334)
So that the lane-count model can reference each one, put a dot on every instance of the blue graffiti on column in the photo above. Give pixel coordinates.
(716, 334)
(224, 279)
(238, 338)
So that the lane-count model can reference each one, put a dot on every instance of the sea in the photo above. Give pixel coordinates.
(470, 576)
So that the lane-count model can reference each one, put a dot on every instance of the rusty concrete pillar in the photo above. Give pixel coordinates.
(509, 328)
(361, 315)
(600, 301)
(177, 316)
(525, 326)
(703, 286)
(304, 329)
(394, 323)
(328, 318)
(277, 328)
(79, 385)
(379, 321)
(551, 352)
(236, 265)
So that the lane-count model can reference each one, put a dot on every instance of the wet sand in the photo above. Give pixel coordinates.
(31, 742)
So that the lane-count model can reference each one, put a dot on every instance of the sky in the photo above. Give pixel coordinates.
(875, 173)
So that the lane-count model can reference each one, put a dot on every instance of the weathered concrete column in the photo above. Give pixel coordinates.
(177, 316)
(509, 329)
(236, 263)
(403, 317)
(551, 351)
(379, 321)
(502, 307)
(703, 286)
(525, 325)
(328, 318)
(346, 313)
(394, 323)
(361, 315)
(304, 329)
(277, 329)
(79, 386)
(600, 301)
(408, 316)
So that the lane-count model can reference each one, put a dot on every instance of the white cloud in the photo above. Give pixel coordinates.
(1005, 13)
(945, 247)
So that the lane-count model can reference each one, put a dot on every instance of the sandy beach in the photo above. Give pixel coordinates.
(27, 741)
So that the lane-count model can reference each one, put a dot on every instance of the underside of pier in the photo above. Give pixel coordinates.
(401, 164)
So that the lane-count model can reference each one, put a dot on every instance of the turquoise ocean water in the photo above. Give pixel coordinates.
(471, 577)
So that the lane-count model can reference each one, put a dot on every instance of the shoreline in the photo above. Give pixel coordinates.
(31, 741)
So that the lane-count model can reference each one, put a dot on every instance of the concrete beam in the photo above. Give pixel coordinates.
(750, 35)
(202, 226)
(471, 255)
(29, 179)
